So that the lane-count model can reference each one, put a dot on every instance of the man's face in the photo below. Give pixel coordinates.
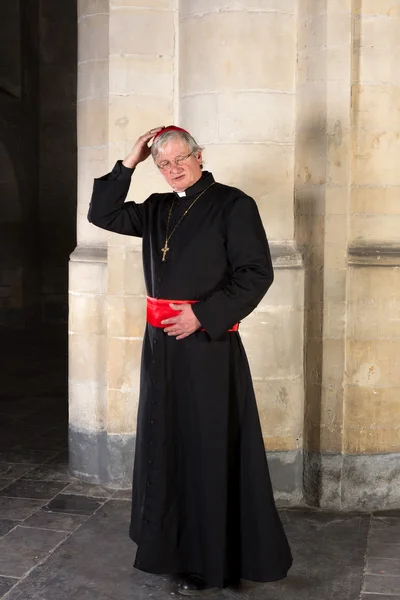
(187, 172)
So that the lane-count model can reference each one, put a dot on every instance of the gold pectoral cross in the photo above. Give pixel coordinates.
(164, 251)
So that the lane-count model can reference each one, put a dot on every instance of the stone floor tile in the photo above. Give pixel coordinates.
(385, 536)
(54, 472)
(87, 489)
(52, 520)
(384, 522)
(18, 508)
(24, 547)
(4, 483)
(382, 584)
(123, 495)
(6, 525)
(5, 584)
(73, 504)
(33, 489)
(383, 566)
(383, 551)
(14, 471)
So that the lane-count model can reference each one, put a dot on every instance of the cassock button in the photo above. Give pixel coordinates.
(150, 462)
(152, 422)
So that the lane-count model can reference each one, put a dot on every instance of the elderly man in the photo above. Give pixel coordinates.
(203, 507)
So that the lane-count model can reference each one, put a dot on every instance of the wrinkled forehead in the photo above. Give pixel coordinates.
(172, 148)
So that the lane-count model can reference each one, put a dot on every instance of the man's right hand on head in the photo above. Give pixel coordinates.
(140, 150)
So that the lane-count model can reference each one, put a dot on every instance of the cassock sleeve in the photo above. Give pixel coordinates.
(252, 272)
(108, 208)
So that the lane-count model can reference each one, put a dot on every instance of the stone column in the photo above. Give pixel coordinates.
(371, 434)
(237, 95)
(346, 211)
(125, 86)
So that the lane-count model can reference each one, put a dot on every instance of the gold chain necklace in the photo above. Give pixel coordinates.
(168, 237)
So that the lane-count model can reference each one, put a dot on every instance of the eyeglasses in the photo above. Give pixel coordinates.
(165, 165)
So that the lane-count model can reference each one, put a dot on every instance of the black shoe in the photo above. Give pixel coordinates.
(194, 585)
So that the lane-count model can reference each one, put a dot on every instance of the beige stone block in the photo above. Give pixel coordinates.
(375, 200)
(336, 258)
(310, 168)
(371, 441)
(375, 228)
(124, 364)
(141, 32)
(329, 438)
(338, 158)
(378, 107)
(372, 407)
(256, 117)
(92, 7)
(335, 285)
(141, 75)
(131, 116)
(337, 200)
(88, 359)
(280, 406)
(274, 342)
(87, 406)
(376, 65)
(93, 79)
(126, 316)
(87, 314)
(87, 233)
(125, 272)
(311, 110)
(334, 319)
(387, 8)
(333, 366)
(373, 363)
(193, 7)
(311, 68)
(122, 411)
(377, 157)
(230, 64)
(92, 163)
(286, 290)
(264, 172)
(160, 4)
(92, 121)
(336, 230)
(204, 130)
(312, 32)
(379, 32)
(373, 307)
(89, 277)
(93, 38)
(339, 32)
(338, 108)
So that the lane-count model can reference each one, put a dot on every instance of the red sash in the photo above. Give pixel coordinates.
(158, 310)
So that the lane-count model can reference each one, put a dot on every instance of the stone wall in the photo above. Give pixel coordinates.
(286, 96)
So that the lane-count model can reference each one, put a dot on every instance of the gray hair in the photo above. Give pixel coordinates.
(165, 137)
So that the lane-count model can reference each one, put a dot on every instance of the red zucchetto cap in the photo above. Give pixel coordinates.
(169, 128)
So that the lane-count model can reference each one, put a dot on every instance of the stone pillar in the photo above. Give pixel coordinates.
(346, 184)
(323, 143)
(371, 434)
(237, 95)
(125, 86)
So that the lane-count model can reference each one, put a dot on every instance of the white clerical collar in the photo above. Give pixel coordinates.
(181, 194)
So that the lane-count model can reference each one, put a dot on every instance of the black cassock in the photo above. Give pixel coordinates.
(202, 496)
